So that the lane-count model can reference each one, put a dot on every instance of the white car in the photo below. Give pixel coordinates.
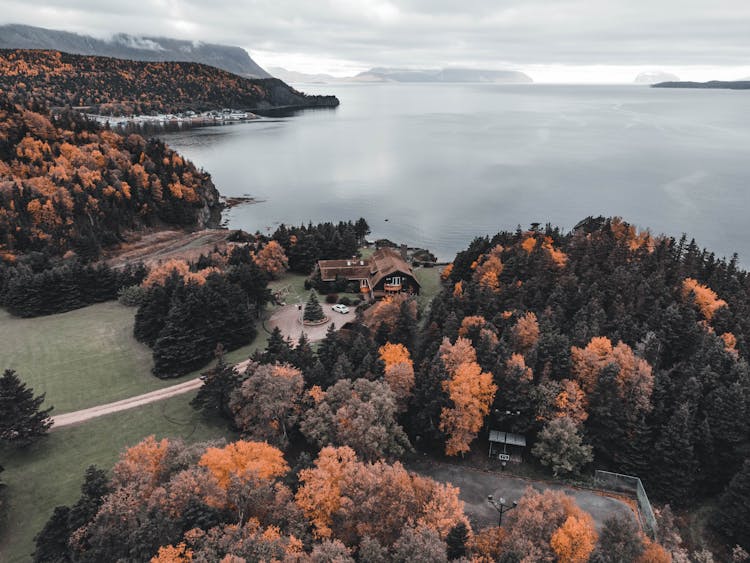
(339, 308)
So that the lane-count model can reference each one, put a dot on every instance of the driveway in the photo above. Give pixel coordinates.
(289, 321)
(475, 485)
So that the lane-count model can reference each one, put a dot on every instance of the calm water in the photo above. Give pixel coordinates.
(435, 165)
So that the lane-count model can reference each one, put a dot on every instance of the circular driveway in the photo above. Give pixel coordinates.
(289, 320)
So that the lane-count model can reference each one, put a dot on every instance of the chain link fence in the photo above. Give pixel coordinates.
(631, 485)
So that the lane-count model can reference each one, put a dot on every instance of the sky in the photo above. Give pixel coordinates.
(551, 40)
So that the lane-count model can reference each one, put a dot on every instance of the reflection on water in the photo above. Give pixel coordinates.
(435, 165)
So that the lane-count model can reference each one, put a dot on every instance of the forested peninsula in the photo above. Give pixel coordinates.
(122, 87)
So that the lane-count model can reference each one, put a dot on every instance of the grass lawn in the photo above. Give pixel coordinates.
(86, 357)
(50, 473)
(429, 279)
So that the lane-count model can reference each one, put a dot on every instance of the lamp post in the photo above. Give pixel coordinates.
(501, 507)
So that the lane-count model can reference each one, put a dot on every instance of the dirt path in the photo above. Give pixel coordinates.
(150, 248)
(76, 417)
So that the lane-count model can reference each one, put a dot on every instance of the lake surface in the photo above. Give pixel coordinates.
(435, 165)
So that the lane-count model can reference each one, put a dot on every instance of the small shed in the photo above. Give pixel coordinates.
(507, 446)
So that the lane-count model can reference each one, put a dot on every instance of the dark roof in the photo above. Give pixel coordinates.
(382, 263)
(501, 437)
(350, 269)
(386, 261)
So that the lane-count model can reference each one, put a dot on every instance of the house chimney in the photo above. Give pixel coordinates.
(404, 249)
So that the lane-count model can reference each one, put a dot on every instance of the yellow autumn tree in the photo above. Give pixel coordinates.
(574, 541)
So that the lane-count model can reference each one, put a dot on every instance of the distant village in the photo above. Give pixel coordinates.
(190, 118)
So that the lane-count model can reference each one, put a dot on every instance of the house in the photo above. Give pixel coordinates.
(386, 272)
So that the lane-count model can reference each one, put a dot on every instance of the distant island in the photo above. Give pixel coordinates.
(132, 47)
(380, 74)
(713, 84)
(654, 77)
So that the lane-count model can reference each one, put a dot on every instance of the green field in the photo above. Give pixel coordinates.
(86, 357)
(50, 472)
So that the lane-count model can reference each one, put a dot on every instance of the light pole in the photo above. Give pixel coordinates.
(501, 507)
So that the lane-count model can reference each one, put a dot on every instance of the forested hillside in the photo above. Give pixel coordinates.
(68, 185)
(122, 87)
(641, 341)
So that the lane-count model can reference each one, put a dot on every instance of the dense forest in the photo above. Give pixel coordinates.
(122, 87)
(67, 185)
(640, 340)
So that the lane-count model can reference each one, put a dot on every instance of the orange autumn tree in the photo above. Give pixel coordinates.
(179, 553)
(488, 269)
(703, 296)
(575, 540)
(272, 259)
(145, 462)
(399, 371)
(629, 235)
(654, 553)
(525, 333)
(242, 458)
(470, 390)
(341, 495)
(635, 378)
(571, 401)
(319, 497)
(536, 520)
(158, 275)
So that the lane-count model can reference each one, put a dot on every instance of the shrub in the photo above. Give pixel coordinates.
(345, 301)
(332, 298)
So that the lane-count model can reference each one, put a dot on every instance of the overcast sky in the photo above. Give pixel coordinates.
(553, 40)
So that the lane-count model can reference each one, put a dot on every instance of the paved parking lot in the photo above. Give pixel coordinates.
(475, 485)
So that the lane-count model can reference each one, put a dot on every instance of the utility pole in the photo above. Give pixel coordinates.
(501, 507)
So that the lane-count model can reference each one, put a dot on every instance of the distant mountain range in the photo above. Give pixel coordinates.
(455, 75)
(715, 84)
(131, 47)
(654, 77)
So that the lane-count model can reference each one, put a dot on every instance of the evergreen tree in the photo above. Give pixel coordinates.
(52, 541)
(303, 356)
(606, 423)
(456, 541)
(313, 310)
(733, 514)
(22, 420)
(675, 465)
(278, 349)
(218, 384)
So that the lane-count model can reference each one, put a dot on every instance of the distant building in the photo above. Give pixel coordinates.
(386, 272)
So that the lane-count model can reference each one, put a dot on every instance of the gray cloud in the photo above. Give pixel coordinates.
(429, 33)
